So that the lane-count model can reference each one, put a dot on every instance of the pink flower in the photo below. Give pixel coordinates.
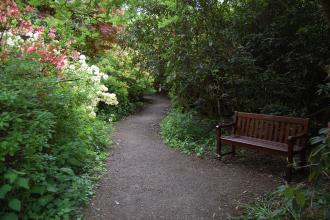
(31, 49)
(26, 26)
(75, 55)
(40, 28)
(3, 19)
(52, 30)
(29, 9)
(51, 35)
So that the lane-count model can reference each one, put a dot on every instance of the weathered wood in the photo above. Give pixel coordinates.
(274, 134)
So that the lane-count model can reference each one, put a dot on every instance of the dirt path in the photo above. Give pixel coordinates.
(147, 180)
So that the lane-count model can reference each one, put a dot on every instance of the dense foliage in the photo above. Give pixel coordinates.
(188, 133)
(53, 136)
(258, 56)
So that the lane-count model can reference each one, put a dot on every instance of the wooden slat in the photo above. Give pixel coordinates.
(270, 130)
(243, 125)
(269, 127)
(256, 128)
(287, 132)
(261, 129)
(238, 126)
(276, 131)
(247, 126)
(287, 119)
(282, 132)
(251, 127)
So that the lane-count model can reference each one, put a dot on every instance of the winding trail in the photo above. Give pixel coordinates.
(147, 180)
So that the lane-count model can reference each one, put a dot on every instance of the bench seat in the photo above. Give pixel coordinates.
(259, 144)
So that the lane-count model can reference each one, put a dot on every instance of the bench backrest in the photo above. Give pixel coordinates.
(269, 127)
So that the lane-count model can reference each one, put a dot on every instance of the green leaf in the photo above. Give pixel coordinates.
(67, 170)
(45, 200)
(38, 190)
(9, 216)
(51, 188)
(23, 182)
(4, 190)
(300, 199)
(11, 176)
(15, 204)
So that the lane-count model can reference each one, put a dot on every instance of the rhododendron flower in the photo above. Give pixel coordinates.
(92, 114)
(51, 35)
(31, 49)
(105, 76)
(104, 88)
(82, 57)
(75, 55)
(29, 9)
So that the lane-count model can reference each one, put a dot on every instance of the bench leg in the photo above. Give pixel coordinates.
(289, 168)
(233, 150)
(303, 157)
(218, 147)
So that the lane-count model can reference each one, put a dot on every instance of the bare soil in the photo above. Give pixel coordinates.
(146, 180)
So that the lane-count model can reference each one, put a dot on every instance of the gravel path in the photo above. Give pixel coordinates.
(147, 180)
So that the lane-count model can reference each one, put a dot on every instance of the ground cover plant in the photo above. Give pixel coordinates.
(188, 133)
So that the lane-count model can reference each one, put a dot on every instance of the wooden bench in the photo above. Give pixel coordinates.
(273, 134)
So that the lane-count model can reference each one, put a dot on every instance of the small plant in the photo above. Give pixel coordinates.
(188, 133)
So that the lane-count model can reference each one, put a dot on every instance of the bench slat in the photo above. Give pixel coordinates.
(271, 145)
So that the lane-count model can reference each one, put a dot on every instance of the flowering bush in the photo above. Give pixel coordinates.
(51, 142)
(25, 39)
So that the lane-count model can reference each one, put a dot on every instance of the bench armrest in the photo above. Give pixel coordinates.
(296, 137)
(219, 126)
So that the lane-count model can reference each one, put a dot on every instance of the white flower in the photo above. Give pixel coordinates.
(72, 67)
(95, 70)
(105, 76)
(36, 36)
(84, 66)
(96, 78)
(82, 57)
(56, 52)
(29, 34)
(10, 42)
(92, 114)
(104, 88)
(89, 108)
(109, 98)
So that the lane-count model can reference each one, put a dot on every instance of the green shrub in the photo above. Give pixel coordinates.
(188, 133)
(126, 80)
(51, 152)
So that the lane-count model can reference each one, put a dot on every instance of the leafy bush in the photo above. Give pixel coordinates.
(127, 81)
(51, 144)
(188, 133)
(259, 56)
(50, 148)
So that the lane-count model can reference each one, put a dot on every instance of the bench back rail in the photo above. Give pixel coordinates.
(269, 127)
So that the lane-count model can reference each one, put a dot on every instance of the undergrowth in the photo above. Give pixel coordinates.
(188, 132)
